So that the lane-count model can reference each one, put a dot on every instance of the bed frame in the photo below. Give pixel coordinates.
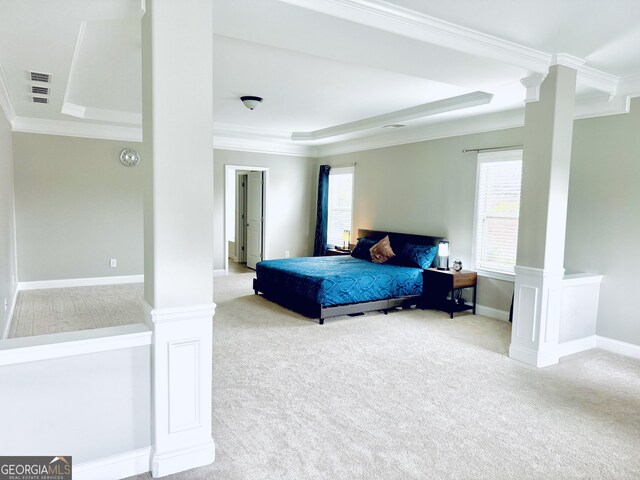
(313, 309)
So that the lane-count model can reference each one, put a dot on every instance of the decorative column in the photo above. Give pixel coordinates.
(539, 268)
(177, 73)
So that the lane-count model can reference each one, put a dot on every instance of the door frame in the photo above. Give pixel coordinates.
(265, 209)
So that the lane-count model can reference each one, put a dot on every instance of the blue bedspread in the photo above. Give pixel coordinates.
(340, 280)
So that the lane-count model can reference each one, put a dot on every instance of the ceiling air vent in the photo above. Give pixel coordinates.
(39, 76)
(39, 90)
(40, 100)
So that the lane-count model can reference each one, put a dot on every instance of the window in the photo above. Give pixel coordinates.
(340, 203)
(497, 210)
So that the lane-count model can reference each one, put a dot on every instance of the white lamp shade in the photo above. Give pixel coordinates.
(443, 249)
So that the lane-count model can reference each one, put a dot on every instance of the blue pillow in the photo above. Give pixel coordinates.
(361, 250)
(420, 256)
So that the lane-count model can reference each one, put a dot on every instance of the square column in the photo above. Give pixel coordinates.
(177, 91)
(539, 267)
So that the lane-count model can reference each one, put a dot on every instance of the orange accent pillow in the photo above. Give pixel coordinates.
(382, 251)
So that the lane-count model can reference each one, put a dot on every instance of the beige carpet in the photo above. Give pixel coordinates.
(58, 310)
(409, 395)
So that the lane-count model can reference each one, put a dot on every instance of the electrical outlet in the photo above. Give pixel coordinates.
(286, 254)
(113, 263)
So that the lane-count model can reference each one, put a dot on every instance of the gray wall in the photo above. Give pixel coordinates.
(77, 207)
(427, 188)
(290, 193)
(603, 223)
(7, 232)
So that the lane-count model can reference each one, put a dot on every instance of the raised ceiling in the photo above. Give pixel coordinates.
(332, 72)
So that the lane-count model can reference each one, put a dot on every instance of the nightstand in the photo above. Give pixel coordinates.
(334, 251)
(438, 284)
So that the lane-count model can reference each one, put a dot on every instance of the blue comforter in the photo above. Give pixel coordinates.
(340, 280)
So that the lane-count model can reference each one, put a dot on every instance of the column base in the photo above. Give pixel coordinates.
(167, 463)
(533, 357)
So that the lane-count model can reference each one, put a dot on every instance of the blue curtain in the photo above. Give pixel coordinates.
(320, 242)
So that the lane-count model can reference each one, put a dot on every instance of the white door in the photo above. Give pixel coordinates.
(254, 219)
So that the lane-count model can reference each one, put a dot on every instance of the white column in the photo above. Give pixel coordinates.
(543, 211)
(177, 72)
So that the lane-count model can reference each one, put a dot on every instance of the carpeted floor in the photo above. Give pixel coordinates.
(409, 395)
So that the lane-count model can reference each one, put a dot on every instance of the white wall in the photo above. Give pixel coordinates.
(88, 406)
(77, 207)
(603, 223)
(7, 225)
(290, 193)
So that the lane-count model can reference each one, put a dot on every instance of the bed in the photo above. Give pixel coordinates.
(325, 287)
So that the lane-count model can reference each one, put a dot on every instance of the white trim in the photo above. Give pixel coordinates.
(600, 106)
(184, 459)
(532, 85)
(409, 23)
(5, 99)
(220, 272)
(494, 313)
(420, 111)
(76, 129)
(170, 314)
(121, 465)
(265, 210)
(576, 346)
(80, 282)
(616, 346)
(7, 328)
(532, 357)
(69, 344)
(575, 279)
(465, 126)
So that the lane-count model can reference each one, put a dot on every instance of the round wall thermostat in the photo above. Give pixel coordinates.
(129, 157)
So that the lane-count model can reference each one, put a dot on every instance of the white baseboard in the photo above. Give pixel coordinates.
(616, 346)
(123, 465)
(492, 313)
(80, 282)
(4, 335)
(219, 272)
(533, 358)
(163, 464)
(576, 346)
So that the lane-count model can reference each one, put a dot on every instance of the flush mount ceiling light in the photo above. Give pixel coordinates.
(250, 101)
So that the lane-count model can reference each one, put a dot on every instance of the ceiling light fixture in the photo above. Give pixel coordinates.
(250, 101)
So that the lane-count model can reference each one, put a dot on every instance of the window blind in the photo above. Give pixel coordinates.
(340, 204)
(497, 210)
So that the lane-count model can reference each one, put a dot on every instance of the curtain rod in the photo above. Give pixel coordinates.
(345, 165)
(491, 149)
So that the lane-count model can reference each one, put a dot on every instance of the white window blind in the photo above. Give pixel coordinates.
(497, 210)
(340, 203)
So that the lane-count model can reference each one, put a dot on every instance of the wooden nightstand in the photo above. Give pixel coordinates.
(438, 284)
(334, 251)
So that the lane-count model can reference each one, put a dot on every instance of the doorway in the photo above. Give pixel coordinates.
(245, 222)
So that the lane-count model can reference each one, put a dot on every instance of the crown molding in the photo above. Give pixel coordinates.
(432, 108)
(101, 114)
(76, 129)
(600, 106)
(246, 139)
(630, 85)
(409, 23)
(465, 126)
(5, 99)
(392, 18)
